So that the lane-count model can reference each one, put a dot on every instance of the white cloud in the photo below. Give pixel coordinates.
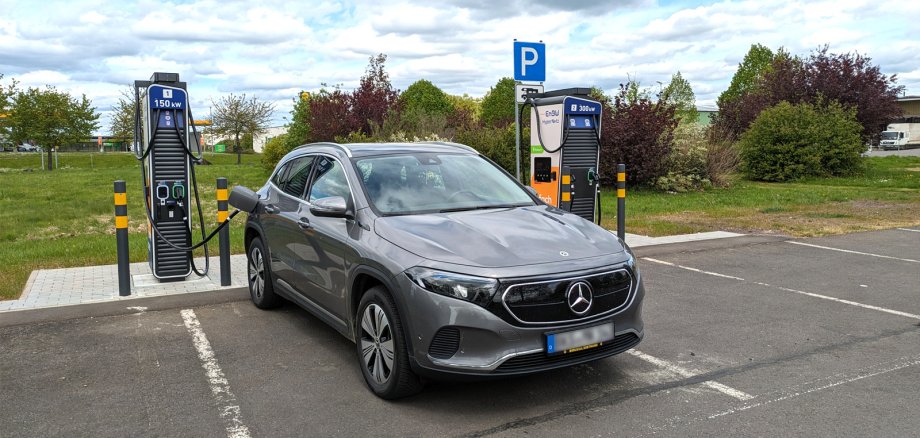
(463, 46)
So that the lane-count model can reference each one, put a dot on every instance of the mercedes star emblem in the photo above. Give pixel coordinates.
(580, 297)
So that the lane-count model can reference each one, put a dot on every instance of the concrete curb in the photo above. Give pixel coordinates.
(707, 245)
(122, 307)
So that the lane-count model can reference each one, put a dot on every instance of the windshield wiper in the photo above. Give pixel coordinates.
(481, 207)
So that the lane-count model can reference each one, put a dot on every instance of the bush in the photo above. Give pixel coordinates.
(686, 163)
(787, 142)
(496, 143)
(274, 150)
(638, 132)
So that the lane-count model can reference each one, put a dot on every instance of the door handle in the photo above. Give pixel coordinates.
(271, 209)
(304, 223)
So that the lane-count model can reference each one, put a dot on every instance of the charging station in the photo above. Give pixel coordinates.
(565, 150)
(166, 147)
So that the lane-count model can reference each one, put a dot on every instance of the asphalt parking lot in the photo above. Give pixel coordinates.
(744, 336)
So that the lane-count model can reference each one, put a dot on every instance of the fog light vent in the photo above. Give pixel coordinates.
(445, 343)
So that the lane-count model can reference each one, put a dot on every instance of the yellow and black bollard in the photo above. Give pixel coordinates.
(224, 233)
(121, 236)
(621, 201)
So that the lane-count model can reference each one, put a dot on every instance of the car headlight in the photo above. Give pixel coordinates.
(478, 290)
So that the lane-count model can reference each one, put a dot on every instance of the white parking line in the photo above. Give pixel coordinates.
(852, 252)
(864, 374)
(692, 269)
(220, 387)
(909, 229)
(683, 372)
(786, 289)
(852, 303)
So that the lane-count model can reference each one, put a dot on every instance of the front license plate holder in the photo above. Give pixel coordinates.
(580, 339)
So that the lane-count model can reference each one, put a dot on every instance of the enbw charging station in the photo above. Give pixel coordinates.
(167, 145)
(565, 150)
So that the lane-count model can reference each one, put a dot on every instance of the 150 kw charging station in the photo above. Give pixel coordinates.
(565, 150)
(168, 148)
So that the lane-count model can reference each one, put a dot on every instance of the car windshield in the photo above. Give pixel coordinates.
(890, 135)
(430, 182)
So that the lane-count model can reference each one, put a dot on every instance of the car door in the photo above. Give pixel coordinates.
(282, 213)
(324, 246)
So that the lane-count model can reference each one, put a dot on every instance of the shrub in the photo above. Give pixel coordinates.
(274, 150)
(637, 132)
(787, 142)
(722, 162)
(686, 163)
(496, 143)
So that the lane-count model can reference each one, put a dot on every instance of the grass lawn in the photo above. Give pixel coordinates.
(64, 218)
(885, 195)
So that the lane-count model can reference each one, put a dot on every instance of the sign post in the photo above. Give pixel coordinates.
(529, 66)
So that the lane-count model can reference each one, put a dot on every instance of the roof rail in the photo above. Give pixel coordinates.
(327, 143)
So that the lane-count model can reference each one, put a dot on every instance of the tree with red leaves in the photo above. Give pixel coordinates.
(849, 79)
(374, 98)
(638, 132)
(852, 80)
(329, 109)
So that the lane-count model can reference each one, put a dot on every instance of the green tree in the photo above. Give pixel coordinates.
(423, 102)
(51, 118)
(756, 62)
(236, 115)
(122, 120)
(791, 141)
(679, 94)
(299, 131)
(498, 104)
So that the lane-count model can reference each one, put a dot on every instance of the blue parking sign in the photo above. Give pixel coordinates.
(529, 61)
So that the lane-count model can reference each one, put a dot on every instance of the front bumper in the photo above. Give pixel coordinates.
(491, 346)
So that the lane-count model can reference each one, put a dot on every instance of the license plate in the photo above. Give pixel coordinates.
(578, 340)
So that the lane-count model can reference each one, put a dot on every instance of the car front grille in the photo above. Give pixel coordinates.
(545, 302)
(540, 361)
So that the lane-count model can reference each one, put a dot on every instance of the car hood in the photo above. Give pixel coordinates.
(498, 237)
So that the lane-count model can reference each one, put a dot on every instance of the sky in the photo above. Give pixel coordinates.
(273, 50)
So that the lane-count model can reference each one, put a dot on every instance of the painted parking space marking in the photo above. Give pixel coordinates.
(683, 372)
(786, 289)
(715, 274)
(852, 252)
(220, 387)
(909, 229)
(865, 373)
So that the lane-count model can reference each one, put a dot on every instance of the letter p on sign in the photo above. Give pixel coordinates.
(529, 61)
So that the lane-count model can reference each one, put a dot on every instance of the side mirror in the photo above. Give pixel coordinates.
(333, 206)
(532, 190)
(244, 199)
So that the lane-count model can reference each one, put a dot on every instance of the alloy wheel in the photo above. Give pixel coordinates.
(256, 272)
(377, 343)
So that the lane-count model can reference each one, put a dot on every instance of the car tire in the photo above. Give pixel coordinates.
(259, 276)
(378, 335)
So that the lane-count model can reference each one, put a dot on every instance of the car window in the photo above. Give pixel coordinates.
(330, 180)
(297, 176)
(427, 182)
(278, 179)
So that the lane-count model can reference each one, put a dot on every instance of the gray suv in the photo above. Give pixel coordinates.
(437, 263)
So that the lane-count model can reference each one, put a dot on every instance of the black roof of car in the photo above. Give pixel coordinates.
(371, 149)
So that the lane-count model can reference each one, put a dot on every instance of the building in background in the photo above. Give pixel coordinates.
(910, 106)
(705, 113)
(259, 139)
